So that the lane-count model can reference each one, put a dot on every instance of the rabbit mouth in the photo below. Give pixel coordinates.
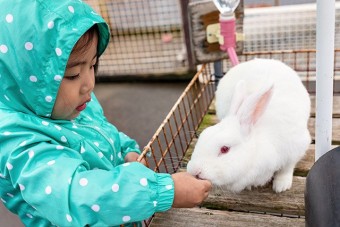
(200, 177)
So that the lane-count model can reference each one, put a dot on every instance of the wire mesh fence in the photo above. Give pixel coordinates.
(146, 37)
(289, 27)
(167, 147)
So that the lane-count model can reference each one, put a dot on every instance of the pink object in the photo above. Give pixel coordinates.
(166, 38)
(228, 30)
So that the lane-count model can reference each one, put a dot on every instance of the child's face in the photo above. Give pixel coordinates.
(77, 84)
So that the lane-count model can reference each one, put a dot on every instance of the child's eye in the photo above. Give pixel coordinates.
(72, 77)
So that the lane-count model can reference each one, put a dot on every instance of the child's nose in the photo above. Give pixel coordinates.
(88, 84)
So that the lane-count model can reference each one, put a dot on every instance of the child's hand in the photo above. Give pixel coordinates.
(189, 191)
(132, 157)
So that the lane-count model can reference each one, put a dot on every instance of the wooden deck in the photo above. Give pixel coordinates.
(259, 207)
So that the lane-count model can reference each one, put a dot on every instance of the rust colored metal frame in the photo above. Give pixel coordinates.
(167, 147)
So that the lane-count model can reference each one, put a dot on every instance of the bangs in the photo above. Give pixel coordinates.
(85, 41)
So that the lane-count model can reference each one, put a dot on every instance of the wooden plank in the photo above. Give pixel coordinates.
(197, 16)
(262, 199)
(201, 217)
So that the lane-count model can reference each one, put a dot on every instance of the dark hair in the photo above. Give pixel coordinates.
(85, 41)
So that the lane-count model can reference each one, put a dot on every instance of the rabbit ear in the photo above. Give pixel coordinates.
(253, 107)
(238, 97)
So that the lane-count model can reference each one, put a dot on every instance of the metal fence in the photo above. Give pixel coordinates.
(151, 37)
(146, 37)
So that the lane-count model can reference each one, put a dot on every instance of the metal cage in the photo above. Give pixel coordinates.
(146, 38)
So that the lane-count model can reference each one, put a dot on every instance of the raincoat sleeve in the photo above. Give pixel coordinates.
(128, 145)
(61, 187)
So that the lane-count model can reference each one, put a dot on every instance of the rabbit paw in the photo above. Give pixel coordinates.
(282, 183)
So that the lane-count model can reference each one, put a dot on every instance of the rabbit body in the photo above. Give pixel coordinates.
(263, 109)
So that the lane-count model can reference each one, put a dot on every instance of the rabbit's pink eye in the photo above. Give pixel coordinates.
(224, 149)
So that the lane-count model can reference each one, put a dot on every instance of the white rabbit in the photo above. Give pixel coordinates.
(263, 109)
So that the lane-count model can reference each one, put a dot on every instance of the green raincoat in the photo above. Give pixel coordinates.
(58, 172)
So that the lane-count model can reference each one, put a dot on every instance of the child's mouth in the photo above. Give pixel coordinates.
(81, 107)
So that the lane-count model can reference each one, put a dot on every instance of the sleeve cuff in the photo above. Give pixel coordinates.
(166, 192)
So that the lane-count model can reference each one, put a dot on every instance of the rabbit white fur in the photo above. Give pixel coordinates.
(263, 109)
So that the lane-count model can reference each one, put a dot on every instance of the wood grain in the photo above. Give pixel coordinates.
(201, 217)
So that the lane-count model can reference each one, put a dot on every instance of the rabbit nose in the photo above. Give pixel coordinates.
(198, 175)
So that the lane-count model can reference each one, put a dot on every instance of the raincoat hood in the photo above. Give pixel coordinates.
(34, 49)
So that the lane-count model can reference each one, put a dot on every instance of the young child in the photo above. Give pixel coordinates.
(61, 162)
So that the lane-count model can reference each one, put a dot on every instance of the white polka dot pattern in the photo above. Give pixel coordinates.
(3, 49)
(115, 188)
(28, 46)
(31, 154)
(95, 208)
(48, 98)
(57, 78)
(9, 166)
(48, 190)
(143, 182)
(58, 51)
(126, 218)
(83, 182)
(33, 78)
(71, 9)
(22, 187)
(50, 24)
(68, 218)
(9, 18)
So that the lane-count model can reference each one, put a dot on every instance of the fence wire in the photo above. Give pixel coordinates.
(146, 37)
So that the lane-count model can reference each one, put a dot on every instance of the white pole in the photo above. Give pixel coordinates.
(325, 27)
